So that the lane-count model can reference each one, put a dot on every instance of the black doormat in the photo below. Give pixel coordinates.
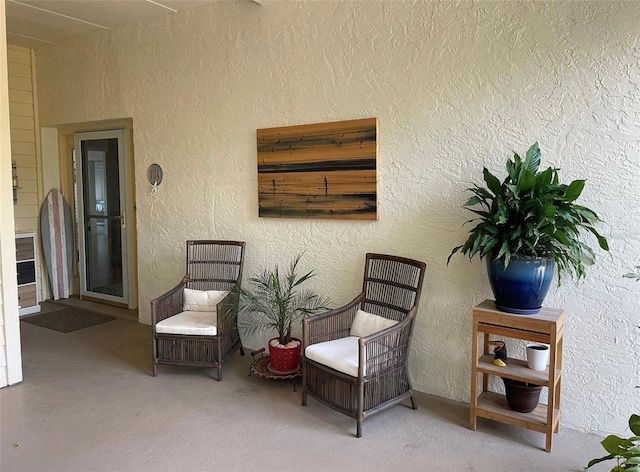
(68, 319)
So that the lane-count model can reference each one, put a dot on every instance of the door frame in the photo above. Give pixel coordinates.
(66, 143)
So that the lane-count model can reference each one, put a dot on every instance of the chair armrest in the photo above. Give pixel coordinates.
(387, 349)
(227, 312)
(167, 304)
(334, 324)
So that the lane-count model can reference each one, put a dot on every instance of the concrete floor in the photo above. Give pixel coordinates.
(88, 402)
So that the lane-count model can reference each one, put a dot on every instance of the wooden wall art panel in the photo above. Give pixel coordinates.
(324, 170)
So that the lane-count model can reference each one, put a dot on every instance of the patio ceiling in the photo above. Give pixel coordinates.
(36, 23)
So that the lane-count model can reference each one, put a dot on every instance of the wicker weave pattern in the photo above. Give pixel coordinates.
(210, 265)
(190, 350)
(391, 288)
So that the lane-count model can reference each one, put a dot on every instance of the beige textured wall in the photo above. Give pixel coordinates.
(455, 85)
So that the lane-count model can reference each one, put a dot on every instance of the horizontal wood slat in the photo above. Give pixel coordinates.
(21, 122)
(318, 183)
(320, 206)
(24, 160)
(318, 154)
(21, 96)
(21, 109)
(20, 70)
(317, 129)
(19, 57)
(24, 225)
(23, 148)
(20, 83)
(23, 135)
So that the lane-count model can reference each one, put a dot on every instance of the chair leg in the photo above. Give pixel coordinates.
(154, 358)
(304, 381)
(241, 351)
(413, 402)
(359, 407)
(219, 373)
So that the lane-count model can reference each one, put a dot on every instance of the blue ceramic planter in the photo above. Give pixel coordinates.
(522, 286)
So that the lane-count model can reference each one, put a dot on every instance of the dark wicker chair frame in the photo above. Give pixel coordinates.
(211, 265)
(391, 288)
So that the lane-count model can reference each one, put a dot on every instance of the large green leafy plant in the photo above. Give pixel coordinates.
(625, 451)
(530, 214)
(275, 301)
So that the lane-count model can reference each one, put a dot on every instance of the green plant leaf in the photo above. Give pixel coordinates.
(549, 209)
(472, 201)
(514, 190)
(544, 178)
(481, 192)
(562, 237)
(488, 246)
(492, 182)
(532, 158)
(593, 462)
(483, 214)
(573, 190)
(602, 242)
(615, 444)
(634, 424)
(455, 249)
(527, 180)
(511, 170)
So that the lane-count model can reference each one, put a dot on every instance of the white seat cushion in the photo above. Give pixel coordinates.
(200, 323)
(339, 354)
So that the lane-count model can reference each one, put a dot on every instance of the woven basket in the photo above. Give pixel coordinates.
(284, 359)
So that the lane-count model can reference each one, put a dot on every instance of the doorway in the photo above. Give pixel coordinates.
(101, 175)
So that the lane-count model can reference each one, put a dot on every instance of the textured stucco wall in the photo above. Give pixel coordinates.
(456, 86)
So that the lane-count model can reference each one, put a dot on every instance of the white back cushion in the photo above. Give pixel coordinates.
(365, 324)
(202, 300)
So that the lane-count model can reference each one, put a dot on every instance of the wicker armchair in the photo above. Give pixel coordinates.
(358, 372)
(208, 342)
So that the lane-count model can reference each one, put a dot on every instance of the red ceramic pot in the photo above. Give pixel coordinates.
(284, 360)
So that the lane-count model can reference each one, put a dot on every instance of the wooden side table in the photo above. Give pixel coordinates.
(545, 327)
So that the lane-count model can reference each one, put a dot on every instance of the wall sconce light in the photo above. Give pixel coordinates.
(14, 181)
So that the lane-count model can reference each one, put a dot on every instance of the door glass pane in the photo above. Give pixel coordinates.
(102, 225)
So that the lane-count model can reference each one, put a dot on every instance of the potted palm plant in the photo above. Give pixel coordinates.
(274, 302)
(527, 226)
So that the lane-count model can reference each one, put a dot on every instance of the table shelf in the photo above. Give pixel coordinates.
(546, 327)
(516, 369)
(494, 406)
